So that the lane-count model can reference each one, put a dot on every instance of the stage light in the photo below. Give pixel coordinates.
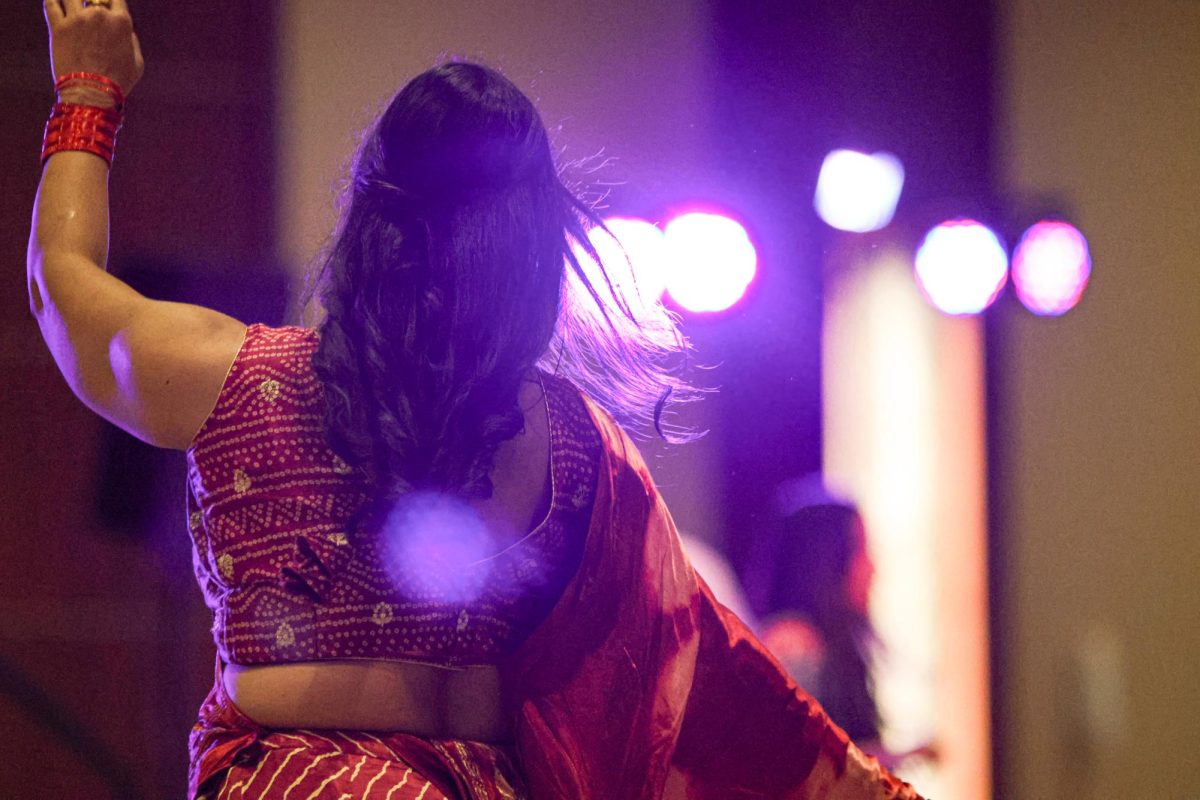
(961, 266)
(712, 261)
(634, 256)
(1050, 267)
(858, 192)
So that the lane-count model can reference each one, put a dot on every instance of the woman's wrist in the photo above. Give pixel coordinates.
(87, 116)
(87, 96)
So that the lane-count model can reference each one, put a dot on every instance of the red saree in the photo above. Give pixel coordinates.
(640, 685)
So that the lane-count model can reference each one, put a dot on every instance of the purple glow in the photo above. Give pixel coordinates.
(961, 266)
(437, 546)
(712, 261)
(858, 192)
(1051, 267)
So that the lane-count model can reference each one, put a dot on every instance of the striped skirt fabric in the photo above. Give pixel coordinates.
(233, 758)
(354, 765)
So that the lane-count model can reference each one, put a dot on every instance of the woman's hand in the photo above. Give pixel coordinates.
(94, 38)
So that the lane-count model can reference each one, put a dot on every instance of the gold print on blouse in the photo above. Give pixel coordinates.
(341, 467)
(269, 390)
(284, 635)
(580, 498)
(382, 614)
(339, 539)
(241, 481)
(225, 565)
(463, 619)
(195, 520)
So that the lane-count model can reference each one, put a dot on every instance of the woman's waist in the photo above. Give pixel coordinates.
(370, 695)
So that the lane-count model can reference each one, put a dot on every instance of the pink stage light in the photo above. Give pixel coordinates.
(961, 266)
(858, 192)
(1051, 267)
(712, 261)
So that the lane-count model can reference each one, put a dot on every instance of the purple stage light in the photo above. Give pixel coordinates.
(1051, 267)
(712, 261)
(961, 266)
(858, 192)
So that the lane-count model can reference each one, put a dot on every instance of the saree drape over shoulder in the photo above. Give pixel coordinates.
(640, 685)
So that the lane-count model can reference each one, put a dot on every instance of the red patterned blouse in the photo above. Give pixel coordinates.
(269, 506)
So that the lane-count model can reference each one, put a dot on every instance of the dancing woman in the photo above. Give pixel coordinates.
(437, 565)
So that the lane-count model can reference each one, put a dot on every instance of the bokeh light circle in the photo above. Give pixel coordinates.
(961, 266)
(711, 261)
(634, 256)
(858, 192)
(1051, 267)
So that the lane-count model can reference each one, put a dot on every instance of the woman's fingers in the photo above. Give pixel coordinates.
(97, 37)
(54, 12)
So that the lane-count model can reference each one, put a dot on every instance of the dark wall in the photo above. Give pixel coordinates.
(794, 81)
(104, 645)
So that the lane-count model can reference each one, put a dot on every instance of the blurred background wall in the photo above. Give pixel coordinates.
(104, 646)
(1097, 413)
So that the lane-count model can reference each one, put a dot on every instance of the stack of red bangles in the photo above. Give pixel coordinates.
(92, 129)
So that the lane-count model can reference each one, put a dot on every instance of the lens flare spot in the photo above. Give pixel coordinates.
(437, 546)
(634, 254)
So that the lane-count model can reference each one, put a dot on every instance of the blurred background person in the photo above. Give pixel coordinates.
(817, 573)
(817, 577)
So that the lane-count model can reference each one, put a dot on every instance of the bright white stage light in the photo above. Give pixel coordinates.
(634, 257)
(961, 266)
(712, 261)
(1051, 267)
(858, 192)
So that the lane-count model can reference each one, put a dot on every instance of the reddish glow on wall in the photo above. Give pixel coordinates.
(1051, 267)
(711, 261)
(961, 266)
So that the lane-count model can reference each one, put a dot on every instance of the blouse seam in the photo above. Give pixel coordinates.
(224, 385)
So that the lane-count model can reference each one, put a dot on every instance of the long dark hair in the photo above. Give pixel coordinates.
(451, 275)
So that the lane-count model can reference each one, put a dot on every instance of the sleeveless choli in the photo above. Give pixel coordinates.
(269, 507)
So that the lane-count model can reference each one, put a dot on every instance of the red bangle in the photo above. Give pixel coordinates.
(83, 128)
(95, 80)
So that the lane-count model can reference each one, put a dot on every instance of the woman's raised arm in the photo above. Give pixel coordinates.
(150, 367)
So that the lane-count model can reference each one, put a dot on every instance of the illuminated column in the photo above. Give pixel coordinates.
(904, 436)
